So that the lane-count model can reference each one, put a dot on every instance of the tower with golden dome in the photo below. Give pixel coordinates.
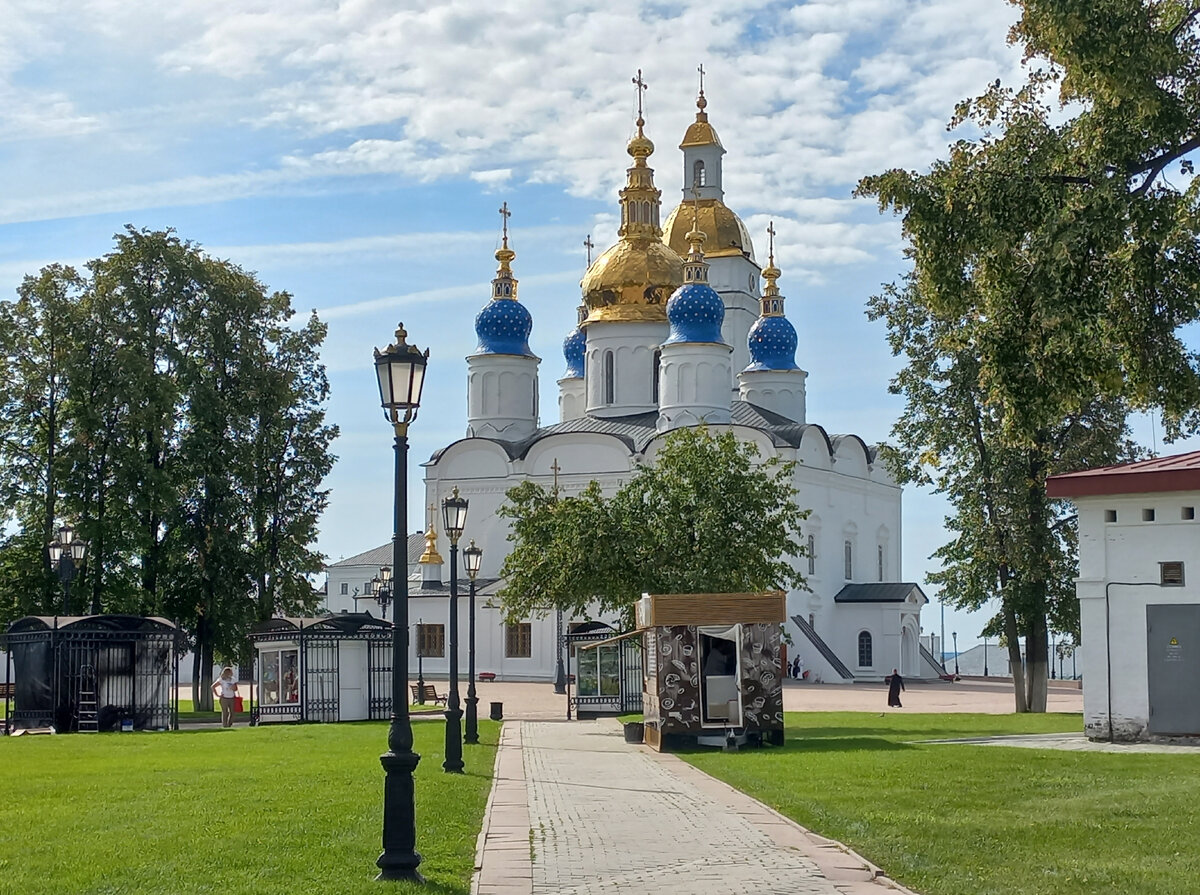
(733, 271)
(625, 292)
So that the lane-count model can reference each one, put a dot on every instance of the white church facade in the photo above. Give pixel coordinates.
(673, 331)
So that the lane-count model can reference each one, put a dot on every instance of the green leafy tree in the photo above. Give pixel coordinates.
(166, 404)
(1055, 259)
(708, 516)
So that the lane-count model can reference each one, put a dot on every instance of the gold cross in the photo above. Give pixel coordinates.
(771, 233)
(641, 88)
(589, 245)
(557, 469)
(432, 513)
(701, 70)
(505, 214)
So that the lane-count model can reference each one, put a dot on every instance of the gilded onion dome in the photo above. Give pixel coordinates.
(633, 279)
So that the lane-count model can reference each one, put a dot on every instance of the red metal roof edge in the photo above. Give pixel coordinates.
(1180, 472)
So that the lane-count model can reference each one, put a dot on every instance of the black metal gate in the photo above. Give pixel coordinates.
(379, 679)
(319, 665)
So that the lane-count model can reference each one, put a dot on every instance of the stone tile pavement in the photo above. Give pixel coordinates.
(575, 811)
(1070, 742)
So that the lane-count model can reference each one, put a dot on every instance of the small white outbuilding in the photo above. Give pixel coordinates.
(1139, 596)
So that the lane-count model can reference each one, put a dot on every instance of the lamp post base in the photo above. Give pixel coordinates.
(454, 762)
(471, 737)
(400, 858)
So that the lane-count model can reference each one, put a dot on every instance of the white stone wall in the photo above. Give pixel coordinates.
(502, 396)
(1113, 637)
(633, 346)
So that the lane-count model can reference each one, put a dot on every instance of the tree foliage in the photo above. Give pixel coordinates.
(1055, 259)
(167, 405)
(707, 517)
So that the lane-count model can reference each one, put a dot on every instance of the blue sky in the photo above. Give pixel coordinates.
(356, 154)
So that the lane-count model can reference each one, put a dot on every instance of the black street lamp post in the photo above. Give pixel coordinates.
(954, 634)
(383, 588)
(454, 517)
(420, 662)
(560, 674)
(67, 555)
(472, 559)
(401, 372)
(1051, 656)
(985, 665)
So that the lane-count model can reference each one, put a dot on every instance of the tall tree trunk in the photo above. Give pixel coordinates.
(1012, 635)
(1036, 658)
(202, 668)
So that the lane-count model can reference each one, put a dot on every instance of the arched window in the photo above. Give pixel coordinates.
(880, 548)
(865, 660)
(849, 551)
(812, 554)
(654, 384)
(698, 178)
(645, 212)
(610, 385)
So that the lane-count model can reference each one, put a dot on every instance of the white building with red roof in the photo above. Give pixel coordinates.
(1139, 595)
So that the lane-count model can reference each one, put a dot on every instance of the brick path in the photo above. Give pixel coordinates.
(575, 811)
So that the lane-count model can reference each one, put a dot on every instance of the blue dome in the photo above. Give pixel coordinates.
(574, 347)
(772, 344)
(696, 312)
(503, 327)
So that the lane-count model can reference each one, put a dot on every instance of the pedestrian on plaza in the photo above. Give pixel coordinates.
(225, 688)
(895, 685)
(796, 668)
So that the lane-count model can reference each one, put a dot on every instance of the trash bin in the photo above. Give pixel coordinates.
(237, 704)
(497, 713)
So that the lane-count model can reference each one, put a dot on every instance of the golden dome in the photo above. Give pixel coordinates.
(632, 282)
(633, 279)
(727, 235)
(700, 132)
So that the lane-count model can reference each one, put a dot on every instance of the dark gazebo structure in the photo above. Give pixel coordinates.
(93, 673)
(607, 670)
(337, 668)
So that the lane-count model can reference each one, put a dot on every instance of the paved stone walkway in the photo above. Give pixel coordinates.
(575, 810)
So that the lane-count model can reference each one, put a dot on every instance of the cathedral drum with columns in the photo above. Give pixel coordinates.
(672, 332)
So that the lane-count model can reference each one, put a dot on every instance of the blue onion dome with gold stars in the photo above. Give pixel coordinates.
(772, 339)
(575, 346)
(695, 311)
(504, 324)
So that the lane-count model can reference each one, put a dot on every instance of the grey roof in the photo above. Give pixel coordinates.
(382, 555)
(637, 430)
(886, 592)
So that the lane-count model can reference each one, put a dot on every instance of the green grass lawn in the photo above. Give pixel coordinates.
(248, 811)
(970, 820)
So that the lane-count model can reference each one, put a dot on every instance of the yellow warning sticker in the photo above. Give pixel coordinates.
(1174, 641)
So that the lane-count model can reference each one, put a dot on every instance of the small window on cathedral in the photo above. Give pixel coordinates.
(880, 562)
(698, 178)
(609, 379)
(865, 657)
(654, 384)
(812, 555)
(848, 549)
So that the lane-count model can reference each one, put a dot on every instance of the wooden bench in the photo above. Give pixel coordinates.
(8, 691)
(487, 676)
(431, 694)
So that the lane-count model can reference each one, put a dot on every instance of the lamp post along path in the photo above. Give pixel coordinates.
(67, 555)
(454, 517)
(400, 369)
(472, 559)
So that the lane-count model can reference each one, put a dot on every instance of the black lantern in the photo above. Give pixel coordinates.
(401, 372)
(472, 559)
(67, 555)
(454, 516)
(383, 588)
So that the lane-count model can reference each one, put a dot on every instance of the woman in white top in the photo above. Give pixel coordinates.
(225, 688)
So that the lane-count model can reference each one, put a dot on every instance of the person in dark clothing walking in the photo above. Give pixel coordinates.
(895, 685)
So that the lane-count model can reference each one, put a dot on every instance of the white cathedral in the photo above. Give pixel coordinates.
(672, 332)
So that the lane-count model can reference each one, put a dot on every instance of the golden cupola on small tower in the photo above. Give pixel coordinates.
(704, 192)
(633, 279)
